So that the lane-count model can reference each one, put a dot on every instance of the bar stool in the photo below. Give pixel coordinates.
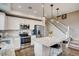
(54, 48)
(64, 48)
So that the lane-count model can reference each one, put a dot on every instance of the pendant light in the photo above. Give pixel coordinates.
(57, 12)
(43, 10)
(51, 10)
(43, 17)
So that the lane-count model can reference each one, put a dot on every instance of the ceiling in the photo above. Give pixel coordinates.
(35, 9)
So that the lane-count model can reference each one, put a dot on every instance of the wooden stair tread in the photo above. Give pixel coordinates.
(73, 46)
(76, 41)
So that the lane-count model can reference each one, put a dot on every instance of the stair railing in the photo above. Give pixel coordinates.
(65, 29)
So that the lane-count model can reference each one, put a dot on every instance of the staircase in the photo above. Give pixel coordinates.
(63, 28)
(74, 44)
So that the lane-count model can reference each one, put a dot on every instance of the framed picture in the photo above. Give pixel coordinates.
(64, 16)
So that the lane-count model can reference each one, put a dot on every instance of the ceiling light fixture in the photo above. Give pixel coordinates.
(19, 6)
(51, 10)
(43, 16)
(42, 5)
(57, 12)
(29, 7)
(43, 11)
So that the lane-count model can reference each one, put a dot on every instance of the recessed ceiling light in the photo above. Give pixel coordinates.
(19, 6)
(52, 20)
(35, 12)
(29, 7)
(42, 6)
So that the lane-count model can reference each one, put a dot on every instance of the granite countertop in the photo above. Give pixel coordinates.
(49, 41)
(4, 43)
(5, 47)
(6, 40)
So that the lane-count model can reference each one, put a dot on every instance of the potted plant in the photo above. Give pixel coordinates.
(50, 33)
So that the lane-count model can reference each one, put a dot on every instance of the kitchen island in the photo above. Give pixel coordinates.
(42, 45)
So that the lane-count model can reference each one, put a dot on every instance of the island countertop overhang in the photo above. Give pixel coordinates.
(49, 41)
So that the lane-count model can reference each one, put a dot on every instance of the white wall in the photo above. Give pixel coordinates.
(55, 30)
(73, 21)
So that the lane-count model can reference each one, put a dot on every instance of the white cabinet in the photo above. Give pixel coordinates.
(13, 23)
(16, 43)
(2, 21)
(32, 39)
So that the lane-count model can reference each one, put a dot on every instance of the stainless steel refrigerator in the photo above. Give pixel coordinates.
(38, 31)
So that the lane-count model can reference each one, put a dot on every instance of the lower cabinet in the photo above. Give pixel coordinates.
(17, 43)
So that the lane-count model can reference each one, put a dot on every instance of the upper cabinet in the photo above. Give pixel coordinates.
(13, 23)
(2, 21)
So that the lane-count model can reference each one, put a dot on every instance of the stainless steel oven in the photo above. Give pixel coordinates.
(25, 38)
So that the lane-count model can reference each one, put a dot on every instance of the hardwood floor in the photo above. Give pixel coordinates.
(29, 51)
(71, 52)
